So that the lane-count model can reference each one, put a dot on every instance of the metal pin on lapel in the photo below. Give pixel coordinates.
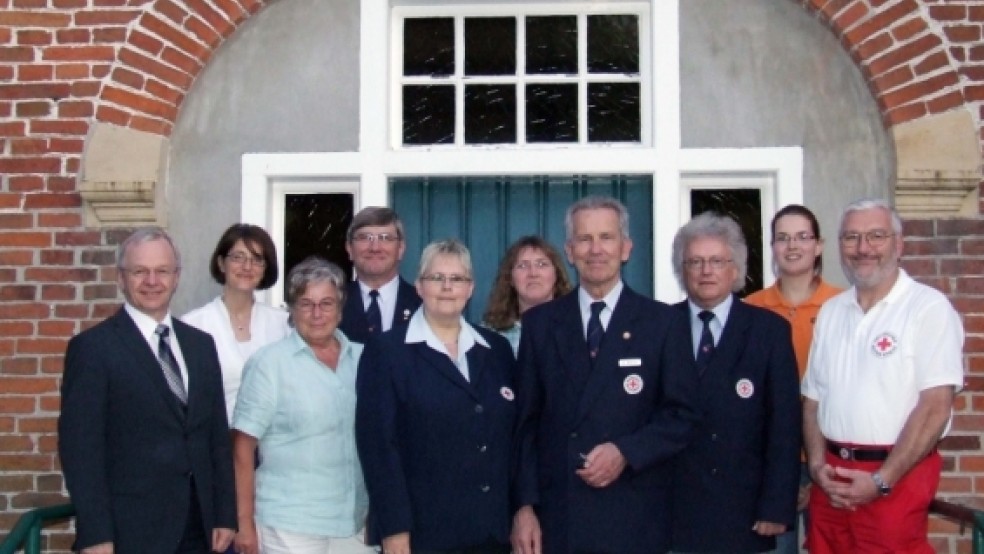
(626, 335)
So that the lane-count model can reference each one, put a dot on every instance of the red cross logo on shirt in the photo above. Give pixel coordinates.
(884, 345)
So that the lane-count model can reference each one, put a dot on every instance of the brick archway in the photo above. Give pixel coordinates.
(907, 64)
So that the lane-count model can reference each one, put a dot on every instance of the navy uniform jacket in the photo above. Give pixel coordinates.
(745, 462)
(354, 323)
(435, 448)
(128, 448)
(641, 395)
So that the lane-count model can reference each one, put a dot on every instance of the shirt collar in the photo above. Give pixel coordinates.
(146, 324)
(585, 300)
(419, 331)
(721, 311)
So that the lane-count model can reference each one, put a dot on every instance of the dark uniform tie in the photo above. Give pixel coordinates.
(706, 345)
(595, 330)
(169, 364)
(373, 315)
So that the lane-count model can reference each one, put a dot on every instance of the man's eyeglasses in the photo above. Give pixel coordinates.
(240, 258)
(697, 264)
(442, 279)
(874, 238)
(161, 273)
(375, 237)
(786, 239)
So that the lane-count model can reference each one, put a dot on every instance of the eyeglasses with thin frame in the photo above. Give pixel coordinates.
(387, 238)
(441, 279)
(527, 265)
(802, 237)
(240, 258)
(874, 238)
(143, 273)
(697, 264)
(307, 307)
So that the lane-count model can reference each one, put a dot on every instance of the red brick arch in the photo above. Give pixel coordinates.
(908, 64)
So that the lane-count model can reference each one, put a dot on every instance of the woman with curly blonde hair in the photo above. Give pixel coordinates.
(531, 273)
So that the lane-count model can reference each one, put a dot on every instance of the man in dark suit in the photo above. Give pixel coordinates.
(736, 485)
(378, 298)
(143, 437)
(607, 396)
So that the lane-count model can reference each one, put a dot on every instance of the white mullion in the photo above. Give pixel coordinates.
(459, 80)
(582, 83)
(520, 80)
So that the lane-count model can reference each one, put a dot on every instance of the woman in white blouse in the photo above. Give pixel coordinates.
(244, 261)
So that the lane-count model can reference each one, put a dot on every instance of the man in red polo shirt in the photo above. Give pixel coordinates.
(885, 364)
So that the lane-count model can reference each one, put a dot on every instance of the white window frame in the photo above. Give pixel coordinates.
(367, 172)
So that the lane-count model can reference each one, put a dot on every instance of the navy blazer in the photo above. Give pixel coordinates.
(129, 449)
(435, 448)
(744, 465)
(640, 395)
(354, 323)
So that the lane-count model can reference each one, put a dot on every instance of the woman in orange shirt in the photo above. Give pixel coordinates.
(799, 291)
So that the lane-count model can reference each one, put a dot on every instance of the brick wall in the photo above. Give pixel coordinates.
(65, 64)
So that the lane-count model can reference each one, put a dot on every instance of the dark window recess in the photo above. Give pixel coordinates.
(613, 112)
(551, 45)
(551, 113)
(490, 114)
(428, 46)
(428, 114)
(490, 46)
(745, 207)
(315, 224)
(613, 44)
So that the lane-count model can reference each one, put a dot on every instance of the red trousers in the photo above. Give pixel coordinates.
(897, 523)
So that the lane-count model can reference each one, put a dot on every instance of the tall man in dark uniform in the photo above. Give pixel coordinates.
(143, 437)
(606, 388)
(378, 297)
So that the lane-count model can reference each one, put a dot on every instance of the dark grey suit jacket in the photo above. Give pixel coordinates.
(354, 323)
(130, 451)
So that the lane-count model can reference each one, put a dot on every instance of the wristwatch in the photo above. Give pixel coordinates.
(883, 488)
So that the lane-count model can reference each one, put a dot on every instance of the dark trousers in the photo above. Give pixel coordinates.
(194, 540)
(491, 548)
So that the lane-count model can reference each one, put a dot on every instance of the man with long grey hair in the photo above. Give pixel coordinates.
(735, 486)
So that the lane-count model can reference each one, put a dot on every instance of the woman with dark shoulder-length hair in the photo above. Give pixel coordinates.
(244, 261)
(530, 273)
(434, 419)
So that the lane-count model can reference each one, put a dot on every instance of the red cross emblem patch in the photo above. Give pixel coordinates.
(884, 344)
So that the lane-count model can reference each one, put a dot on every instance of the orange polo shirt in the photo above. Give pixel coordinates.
(801, 317)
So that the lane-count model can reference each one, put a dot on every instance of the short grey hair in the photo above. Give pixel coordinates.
(712, 225)
(871, 204)
(597, 203)
(446, 247)
(142, 235)
(314, 269)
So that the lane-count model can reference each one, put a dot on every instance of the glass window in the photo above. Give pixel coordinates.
(521, 79)
(745, 207)
(315, 224)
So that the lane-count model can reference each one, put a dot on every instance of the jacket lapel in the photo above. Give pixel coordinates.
(406, 303)
(607, 360)
(444, 366)
(734, 338)
(146, 360)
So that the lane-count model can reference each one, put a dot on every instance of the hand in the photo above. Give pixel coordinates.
(397, 544)
(803, 498)
(246, 541)
(825, 477)
(602, 465)
(221, 539)
(101, 548)
(854, 487)
(768, 528)
(525, 536)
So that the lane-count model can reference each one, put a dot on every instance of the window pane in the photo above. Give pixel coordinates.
(613, 44)
(428, 114)
(315, 224)
(613, 112)
(745, 207)
(490, 114)
(490, 46)
(551, 45)
(428, 46)
(551, 113)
